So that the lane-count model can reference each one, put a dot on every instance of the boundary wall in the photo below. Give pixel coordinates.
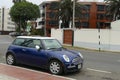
(98, 39)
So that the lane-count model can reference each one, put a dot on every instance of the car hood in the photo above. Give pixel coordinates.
(60, 52)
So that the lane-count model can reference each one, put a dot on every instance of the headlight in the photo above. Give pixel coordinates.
(80, 55)
(66, 58)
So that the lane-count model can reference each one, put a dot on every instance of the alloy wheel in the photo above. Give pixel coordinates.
(55, 67)
(10, 59)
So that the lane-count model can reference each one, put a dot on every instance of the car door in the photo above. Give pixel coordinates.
(31, 56)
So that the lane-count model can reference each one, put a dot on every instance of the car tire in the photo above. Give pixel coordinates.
(55, 67)
(10, 59)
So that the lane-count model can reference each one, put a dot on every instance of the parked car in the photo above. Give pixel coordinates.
(44, 52)
(24, 34)
(14, 34)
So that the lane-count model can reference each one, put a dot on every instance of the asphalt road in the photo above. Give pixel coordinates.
(4, 43)
(97, 65)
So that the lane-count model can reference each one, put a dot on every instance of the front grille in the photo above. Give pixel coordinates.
(77, 59)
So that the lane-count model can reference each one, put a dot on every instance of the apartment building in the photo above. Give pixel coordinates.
(94, 17)
(6, 24)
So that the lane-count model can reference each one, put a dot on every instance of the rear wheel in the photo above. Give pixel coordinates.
(10, 59)
(55, 67)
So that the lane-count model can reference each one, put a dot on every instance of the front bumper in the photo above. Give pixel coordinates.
(73, 67)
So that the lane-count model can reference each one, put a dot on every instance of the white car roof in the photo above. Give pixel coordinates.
(35, 37)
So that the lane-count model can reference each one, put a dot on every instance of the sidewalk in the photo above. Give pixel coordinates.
(5, 77)
(8, 72)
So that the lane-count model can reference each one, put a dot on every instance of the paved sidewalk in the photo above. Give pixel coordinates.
(5, 77)
(8, 72)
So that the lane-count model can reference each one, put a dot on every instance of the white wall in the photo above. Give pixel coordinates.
(58, 34)
(0, 19)
(89, 38)
(86, 38)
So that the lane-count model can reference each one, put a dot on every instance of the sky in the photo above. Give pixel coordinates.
(8, 3)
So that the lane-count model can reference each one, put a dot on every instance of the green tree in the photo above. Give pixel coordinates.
(113, 8)
(23, 11)
(66, 11)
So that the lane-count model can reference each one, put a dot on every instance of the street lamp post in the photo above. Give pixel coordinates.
(73, 23)
(73, 14)
(20, 25)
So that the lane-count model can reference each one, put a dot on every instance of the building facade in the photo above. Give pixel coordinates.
(6, 24)
(47, 13)
(15, 1)
(94, 17)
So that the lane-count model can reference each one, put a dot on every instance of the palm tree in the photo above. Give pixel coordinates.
(66, 11)
(113, 8)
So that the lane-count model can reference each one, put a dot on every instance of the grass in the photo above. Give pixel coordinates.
(80, 48)
(75, 48)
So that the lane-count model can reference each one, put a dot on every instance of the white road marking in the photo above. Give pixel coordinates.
(99, 70)
(38, 72)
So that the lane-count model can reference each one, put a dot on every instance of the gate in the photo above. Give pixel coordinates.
(68, 37)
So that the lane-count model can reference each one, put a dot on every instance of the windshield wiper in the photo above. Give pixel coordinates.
(52, 48)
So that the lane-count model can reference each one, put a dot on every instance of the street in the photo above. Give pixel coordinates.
(97, 65)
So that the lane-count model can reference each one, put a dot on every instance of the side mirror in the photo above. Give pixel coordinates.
(37, 47)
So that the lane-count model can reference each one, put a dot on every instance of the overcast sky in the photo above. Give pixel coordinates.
(8, 3)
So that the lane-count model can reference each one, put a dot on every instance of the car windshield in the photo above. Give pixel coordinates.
(51, 44)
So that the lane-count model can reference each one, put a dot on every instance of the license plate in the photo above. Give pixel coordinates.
(79, 66)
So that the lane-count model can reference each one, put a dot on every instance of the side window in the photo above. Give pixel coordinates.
(19, 41)
(31, 43)
(28, 43)
(37, 42)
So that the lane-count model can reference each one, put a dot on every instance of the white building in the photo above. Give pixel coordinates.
(6, 24)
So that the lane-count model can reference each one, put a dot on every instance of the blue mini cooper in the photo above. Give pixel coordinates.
(44, 52)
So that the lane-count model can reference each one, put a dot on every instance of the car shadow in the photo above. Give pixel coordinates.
(82, 72)
(32, 68)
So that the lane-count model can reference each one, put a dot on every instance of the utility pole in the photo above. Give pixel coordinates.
(73, 14)
(73, 23)
(45, 32)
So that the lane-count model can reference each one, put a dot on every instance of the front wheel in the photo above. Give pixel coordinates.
(10, 59)
(55, 67)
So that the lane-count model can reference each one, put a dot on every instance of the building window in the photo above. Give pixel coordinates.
(100, 7)
(41, 23)
(54, 6)
(49, 31)
(53, 23)
(77, 24)
(108, 17)
(100, 16)
(85, 16)
(85, 25)
(9, 27)
(88, 7)
(43, 6)
(52, 14)
(43, 14)
(100, 25)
